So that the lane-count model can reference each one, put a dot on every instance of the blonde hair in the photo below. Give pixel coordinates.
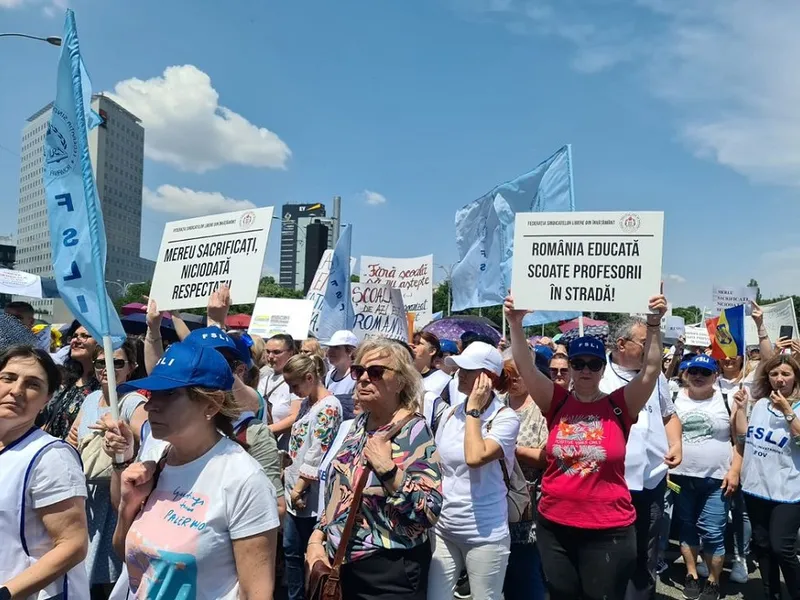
(225, 403)
(301, 365)
(257, 350)
(411, 387)
(314, 349)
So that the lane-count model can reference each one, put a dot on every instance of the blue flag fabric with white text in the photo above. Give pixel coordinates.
(485, 229)
(77, 232)
(337, 306)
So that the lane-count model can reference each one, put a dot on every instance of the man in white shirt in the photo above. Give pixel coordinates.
(654, 446)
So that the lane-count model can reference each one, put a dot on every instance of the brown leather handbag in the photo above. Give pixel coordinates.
(324, 581)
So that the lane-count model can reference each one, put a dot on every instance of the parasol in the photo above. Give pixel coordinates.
(571, 329)
(451, 328)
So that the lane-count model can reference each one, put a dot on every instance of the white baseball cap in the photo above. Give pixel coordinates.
(478, 355)
(341, 338)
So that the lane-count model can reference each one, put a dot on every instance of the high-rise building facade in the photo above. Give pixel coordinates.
(294, 225)
(8, 252)
(117, 151)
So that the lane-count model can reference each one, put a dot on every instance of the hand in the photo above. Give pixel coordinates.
(757, 314)
(513, 315)
(740, 399)
(218, 305)
(679, 344)
(731, 482)
(72, 436)
(153, 318)
(315, 551)
(297, 499)
(481, 393)
(118, 437)
(378, 453)
(780, 402)
(674, 456)
(783, 343)
(658, 307)
(136, 483)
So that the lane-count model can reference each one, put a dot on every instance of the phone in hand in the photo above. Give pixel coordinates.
(786, 332)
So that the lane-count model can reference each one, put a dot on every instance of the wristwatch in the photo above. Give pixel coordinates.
(789, 418)
(474, 413)
(5, 594)
(389, 475)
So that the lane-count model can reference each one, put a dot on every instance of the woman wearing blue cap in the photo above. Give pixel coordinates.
(584, 529)
(201, 522)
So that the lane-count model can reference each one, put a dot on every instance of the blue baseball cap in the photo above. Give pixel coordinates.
(214, 337)
(544, 351)
(701, 361)
(185, 365)
(448, 346)
(588, 346)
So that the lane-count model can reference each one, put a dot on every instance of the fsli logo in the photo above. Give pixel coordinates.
(61, 145)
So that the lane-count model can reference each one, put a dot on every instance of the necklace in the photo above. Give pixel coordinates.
(596, 395)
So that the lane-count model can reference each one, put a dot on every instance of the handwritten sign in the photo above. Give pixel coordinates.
(412, 276)
(200, 255)
(730, 296)
(605, 262)
(316, 292)
(20, 283)
(674, 327)
(775, 315)
(379, 312)
(272, 316)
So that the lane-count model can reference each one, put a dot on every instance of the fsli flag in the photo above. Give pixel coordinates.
(727, 333)
(485, 229)
(337, 306)
(77, 232)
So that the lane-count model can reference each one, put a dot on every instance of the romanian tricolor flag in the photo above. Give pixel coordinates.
(727, 333)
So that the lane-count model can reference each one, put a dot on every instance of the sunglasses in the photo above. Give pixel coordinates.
(594, 364)
(119, 363)
(374, 372)
(561, 372)
(699, 371)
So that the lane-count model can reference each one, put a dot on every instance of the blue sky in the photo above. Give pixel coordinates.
(409, 110)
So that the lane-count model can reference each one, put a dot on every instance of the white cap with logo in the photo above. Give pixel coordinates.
(341, 338)
(478, 355)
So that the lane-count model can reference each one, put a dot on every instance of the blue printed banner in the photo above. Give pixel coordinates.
(337, 306)
(485, 229)
(77, 232)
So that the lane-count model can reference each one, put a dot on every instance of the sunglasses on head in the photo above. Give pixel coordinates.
(374, 372)
(561, 372)
(699, 371)
(119, 363)
(594, 364)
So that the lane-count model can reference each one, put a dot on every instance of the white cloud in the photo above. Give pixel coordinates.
(50, 8)
(190, 203)
(673, 277)
(725, 65)
(186, 127)
(374, 198)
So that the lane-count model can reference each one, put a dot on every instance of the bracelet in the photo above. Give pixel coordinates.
(123, 465)
(389, 475)
(5, 593)
(653, 325)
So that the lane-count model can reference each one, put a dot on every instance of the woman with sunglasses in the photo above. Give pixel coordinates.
(312, 433)
(87, 435)
(388, 554)
(708, 475)
(559, 370)
(585, 525)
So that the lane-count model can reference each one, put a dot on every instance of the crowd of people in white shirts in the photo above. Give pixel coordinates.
(243, 468)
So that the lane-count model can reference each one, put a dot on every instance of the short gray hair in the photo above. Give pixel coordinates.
(623, 329)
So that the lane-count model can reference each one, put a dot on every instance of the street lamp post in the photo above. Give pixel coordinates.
(52, 39)
(124, 287)
(448, 271)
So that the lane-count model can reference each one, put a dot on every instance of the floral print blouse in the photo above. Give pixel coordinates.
(397, 521)
(60, 413)
(312, 433)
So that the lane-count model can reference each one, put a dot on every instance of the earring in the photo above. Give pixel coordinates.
(208, 417)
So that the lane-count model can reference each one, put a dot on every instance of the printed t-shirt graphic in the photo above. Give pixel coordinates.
(578, 448)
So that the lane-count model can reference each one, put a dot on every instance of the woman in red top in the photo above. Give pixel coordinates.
(585, 527)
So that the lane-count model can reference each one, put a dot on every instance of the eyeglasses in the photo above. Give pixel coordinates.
(699, 371)
(119, 363)
(275, 352)
(557, 372)
(82, 336)
(637, 342)
(374, 372)
(594, 364)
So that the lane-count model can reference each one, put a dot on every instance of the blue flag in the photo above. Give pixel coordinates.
(485, 229)
(77, 232)
(337, 306)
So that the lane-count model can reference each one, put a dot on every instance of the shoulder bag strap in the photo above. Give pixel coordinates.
(502, 459)
(355, 503)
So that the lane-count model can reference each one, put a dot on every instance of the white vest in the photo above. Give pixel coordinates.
(16, 464)
(771, 467)
(647, 440)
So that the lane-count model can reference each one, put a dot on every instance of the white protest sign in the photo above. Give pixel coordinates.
(725, 296)
(412, 276)
(20, 283)
(580, 261)
(379, 312)
(696, 336)
(775, 315)
(316, 292)
(272, 316)
(674, 327)
(199, 255)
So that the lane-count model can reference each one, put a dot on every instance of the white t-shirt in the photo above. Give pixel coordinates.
(343, 390)
(475, 509)
(180, 545)
(277, 395)
(706, 436)
(729, 387)
(435, 381)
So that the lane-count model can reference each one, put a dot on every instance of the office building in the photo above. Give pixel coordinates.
(8, 251)
(305, 235)
(117, 152)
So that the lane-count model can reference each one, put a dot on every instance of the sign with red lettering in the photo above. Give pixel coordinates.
(379, 312)
(412, 276)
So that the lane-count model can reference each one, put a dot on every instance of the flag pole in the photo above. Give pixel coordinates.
(503, 312)
(580, 325)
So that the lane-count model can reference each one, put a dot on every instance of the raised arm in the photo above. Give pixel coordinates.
(153, 346)
(539, 387)
(641, 387)
(764, 344)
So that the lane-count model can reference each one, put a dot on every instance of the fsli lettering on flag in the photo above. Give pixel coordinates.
(337, 307)
(485, 229)
(76, 221)
(727, 333)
